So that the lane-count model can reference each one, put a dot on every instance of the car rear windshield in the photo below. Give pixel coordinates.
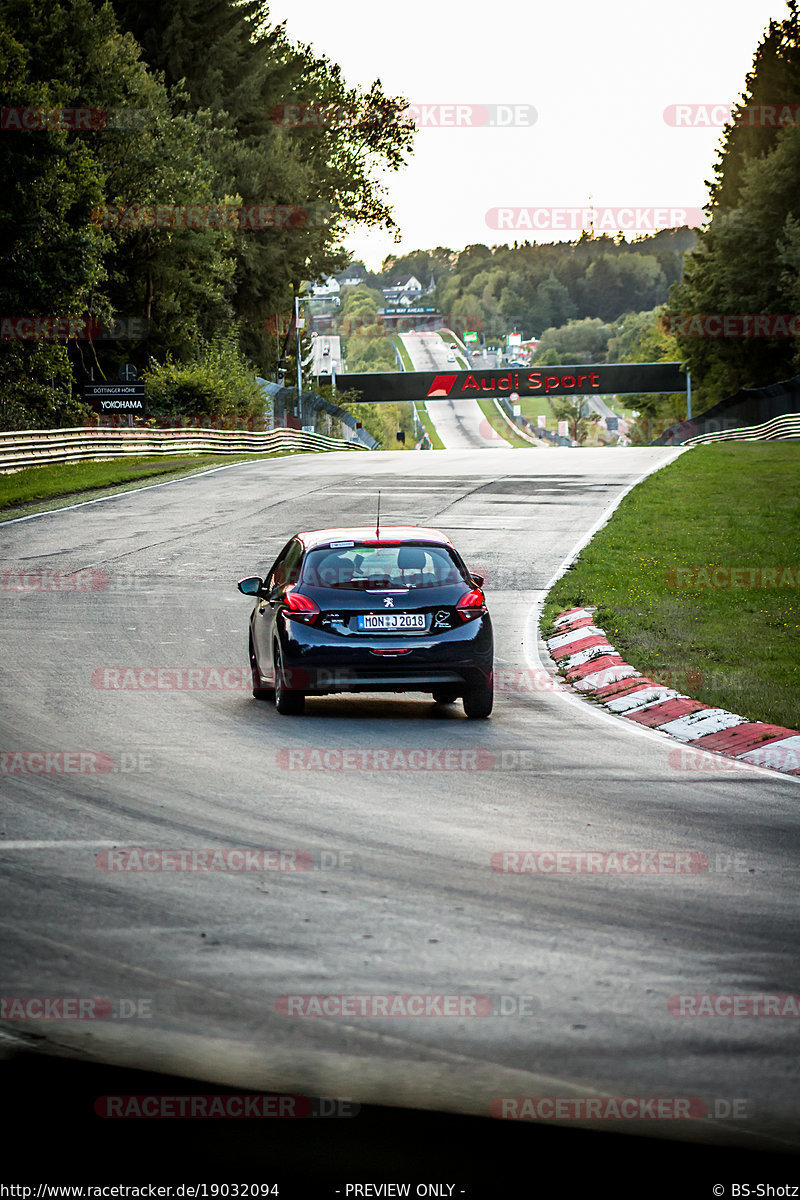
(363, 566)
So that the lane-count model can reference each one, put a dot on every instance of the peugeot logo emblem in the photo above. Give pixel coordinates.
(388, 602)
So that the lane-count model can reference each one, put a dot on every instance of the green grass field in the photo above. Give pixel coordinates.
(535, 406)
(660, 574)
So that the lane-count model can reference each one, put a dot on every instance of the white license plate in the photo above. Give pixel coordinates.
(371, 621)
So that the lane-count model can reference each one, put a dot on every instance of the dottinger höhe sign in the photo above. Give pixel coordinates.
(601, 379)
(115, 398)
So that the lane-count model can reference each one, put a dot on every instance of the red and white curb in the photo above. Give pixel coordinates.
(593, 666)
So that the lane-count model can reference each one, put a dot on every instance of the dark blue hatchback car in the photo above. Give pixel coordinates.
(366, 610)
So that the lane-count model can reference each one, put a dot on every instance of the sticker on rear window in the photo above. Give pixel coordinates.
(336, 545)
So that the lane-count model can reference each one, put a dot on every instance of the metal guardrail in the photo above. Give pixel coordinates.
(778, 429)
(36, 447)
(515, 428)
(311, 403)
(540, 437)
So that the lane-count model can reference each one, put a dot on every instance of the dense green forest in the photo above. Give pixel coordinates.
(148, 184)
(532, 287)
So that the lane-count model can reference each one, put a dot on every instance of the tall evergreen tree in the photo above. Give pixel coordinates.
(746, 260)
(49, 183)
(128, 151)
(253, 80)
(772, 84)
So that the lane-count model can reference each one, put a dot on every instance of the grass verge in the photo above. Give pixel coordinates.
(427, 423)
(660, 574)
(405, 357)
(502, 427)
(536, 406)
(36, 489)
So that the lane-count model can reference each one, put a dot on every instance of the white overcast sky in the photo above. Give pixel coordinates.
(599, 77)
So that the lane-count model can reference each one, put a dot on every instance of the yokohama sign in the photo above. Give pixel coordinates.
(599, 380)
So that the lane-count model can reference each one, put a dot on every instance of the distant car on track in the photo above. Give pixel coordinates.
(365, 610)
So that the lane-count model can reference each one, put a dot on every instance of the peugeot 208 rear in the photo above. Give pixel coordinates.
(357, 610)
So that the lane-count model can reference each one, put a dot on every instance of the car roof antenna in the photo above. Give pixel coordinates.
(378, 520)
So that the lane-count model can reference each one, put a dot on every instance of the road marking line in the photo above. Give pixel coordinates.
(43, 845)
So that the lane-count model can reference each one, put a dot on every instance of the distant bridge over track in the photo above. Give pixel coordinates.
(580, 380)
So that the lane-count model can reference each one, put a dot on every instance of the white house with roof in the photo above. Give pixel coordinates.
(405, 290)
(352, 276)
(329, 287)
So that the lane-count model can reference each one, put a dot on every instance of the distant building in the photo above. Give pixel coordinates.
(329, 287)
(352, 276)
(405, 290)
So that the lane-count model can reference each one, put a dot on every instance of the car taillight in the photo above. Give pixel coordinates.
(300, 607)
(471, 605)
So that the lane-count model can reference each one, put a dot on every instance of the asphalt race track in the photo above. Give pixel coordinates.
(460, 424)
(558, 986)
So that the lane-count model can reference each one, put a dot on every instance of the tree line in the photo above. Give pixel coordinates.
(170, 176)
(534, 286)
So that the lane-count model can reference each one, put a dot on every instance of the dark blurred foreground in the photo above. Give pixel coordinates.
(51, 1134)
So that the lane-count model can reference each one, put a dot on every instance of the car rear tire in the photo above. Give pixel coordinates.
(260, 693)
(445, 696)
(288, 701)
(478, 702)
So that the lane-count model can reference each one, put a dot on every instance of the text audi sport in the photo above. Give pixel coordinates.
(370, 610)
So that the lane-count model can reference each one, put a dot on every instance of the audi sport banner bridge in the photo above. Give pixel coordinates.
(582, 380)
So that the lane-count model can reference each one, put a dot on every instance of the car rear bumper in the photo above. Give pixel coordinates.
(319, 662)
